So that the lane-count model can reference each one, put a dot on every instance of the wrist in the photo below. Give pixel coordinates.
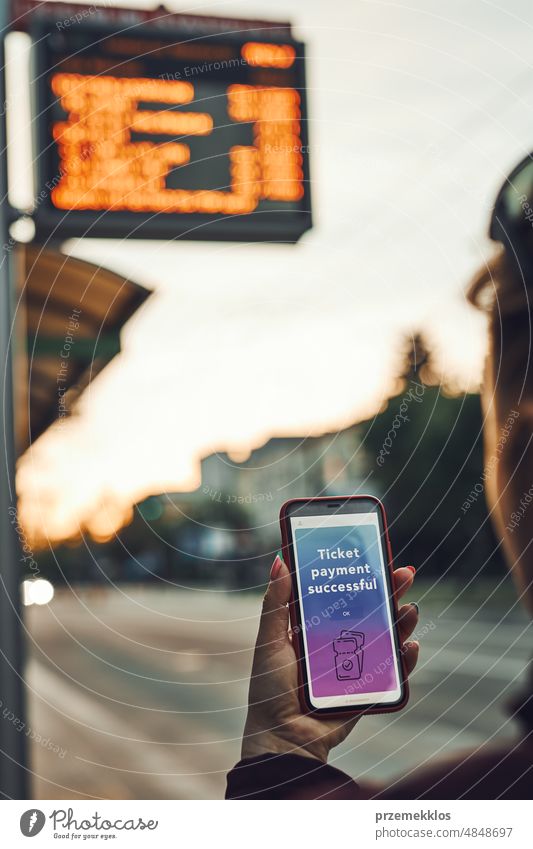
(258, 742)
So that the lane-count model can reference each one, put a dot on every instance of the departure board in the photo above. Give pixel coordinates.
(156, 134)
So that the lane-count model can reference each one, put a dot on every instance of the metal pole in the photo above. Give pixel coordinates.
(13, 773)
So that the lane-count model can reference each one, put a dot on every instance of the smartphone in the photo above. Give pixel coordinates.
(344, 616)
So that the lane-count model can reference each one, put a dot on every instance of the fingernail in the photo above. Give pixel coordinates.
(411, 644)
(412, 568)
(416, 607)
(276, 566)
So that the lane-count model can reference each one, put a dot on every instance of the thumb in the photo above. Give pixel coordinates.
(275, 613)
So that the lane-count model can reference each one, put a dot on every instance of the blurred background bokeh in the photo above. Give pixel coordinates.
(234, 376)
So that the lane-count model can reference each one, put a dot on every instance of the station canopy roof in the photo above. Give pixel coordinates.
(58, 292)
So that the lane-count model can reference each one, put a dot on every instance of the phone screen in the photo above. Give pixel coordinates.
(345, 610)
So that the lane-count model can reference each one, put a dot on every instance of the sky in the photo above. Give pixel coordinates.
(417, 113)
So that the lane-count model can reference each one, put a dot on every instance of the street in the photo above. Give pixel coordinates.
(141, 693)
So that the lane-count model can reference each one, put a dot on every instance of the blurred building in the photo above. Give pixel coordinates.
(249, 493)
(283, 468)
(225, 531)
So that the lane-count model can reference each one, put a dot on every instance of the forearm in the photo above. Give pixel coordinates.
(288, 776)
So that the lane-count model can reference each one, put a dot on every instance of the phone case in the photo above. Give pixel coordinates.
(295, 614)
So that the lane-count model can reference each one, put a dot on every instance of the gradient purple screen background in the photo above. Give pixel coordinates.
(329, 613)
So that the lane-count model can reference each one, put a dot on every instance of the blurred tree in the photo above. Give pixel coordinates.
(416, 364)
(425, 451)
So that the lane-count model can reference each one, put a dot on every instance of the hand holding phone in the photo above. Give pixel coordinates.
(278, 720)
(343, 610)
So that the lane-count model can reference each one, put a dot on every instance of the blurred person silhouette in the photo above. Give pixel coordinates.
(284, 750)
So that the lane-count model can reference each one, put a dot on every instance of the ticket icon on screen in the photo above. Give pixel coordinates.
(349, 651)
